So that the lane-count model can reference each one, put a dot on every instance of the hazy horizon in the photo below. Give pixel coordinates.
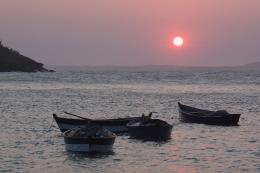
(133, 33)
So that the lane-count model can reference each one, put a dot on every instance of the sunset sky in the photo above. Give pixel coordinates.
(133, 32)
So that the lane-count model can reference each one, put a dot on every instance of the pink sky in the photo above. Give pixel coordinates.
(121, 32)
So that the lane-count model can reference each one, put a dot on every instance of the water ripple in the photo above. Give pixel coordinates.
(27, 102)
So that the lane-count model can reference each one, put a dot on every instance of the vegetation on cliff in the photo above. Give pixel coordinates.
(12, 61)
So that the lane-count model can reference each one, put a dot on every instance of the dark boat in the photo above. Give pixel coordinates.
(117, 125)
(194, 115)
(89, 139)
(150, 129)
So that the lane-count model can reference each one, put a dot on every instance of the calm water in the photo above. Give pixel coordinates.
(30, 144)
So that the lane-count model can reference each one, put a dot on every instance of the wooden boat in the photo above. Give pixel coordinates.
(117, 125)
(89, 139)
(194, 115)
(150, 129)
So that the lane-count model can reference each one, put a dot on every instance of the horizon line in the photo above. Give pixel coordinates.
(157, 65)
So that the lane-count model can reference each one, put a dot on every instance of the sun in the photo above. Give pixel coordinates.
(177, 41)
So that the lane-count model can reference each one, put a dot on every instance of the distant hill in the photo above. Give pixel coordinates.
(13, 61)
(254, 65)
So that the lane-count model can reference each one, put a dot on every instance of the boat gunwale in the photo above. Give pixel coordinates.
(88, 137)
(201, 115)
(163, 123)
(56, 117)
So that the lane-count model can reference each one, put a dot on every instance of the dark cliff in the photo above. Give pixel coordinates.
(13, 61)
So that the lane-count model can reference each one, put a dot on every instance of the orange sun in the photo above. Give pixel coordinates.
(177, 41)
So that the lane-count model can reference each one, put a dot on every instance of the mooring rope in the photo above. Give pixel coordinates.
(51, 125)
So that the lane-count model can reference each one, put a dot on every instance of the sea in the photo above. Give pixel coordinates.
(30, 140)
